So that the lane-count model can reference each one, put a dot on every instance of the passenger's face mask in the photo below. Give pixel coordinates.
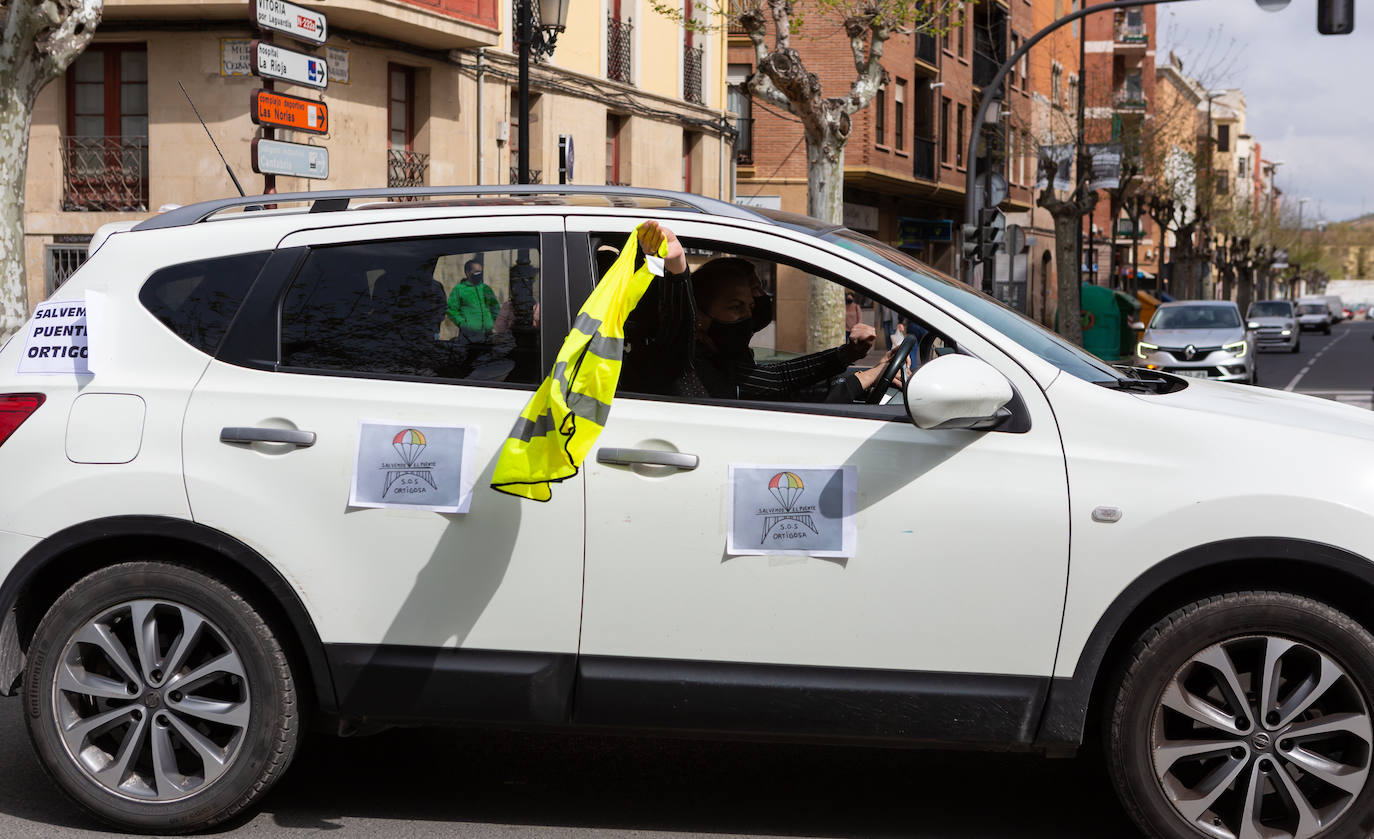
(732, 337)
(763, 312)
(475, 276)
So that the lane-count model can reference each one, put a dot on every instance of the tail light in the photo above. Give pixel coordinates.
(14, 409)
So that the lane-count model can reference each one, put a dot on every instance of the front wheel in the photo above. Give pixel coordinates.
(159, 699)
(1247, 715)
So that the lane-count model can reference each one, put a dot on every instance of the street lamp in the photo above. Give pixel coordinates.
(537, 40)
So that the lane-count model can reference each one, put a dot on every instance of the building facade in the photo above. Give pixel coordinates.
(419, 93)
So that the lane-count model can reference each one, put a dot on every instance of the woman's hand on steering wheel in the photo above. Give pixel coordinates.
(878, 378)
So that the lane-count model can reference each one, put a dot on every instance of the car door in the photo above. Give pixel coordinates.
(424, 614)
(942, 625)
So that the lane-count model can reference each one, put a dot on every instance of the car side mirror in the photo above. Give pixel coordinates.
(957, 391)
(1137, 326)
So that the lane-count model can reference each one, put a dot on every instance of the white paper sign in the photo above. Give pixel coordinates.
(793, 511)
(56, 339)
(419, 467)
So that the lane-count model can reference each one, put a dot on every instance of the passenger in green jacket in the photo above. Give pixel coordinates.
(472, 305)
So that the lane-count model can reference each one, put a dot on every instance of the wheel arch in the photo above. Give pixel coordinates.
(1343, 579)
(48, 569)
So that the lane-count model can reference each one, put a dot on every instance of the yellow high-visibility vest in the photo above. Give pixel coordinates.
(558, 426)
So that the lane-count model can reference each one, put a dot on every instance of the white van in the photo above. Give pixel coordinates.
(1332, 303)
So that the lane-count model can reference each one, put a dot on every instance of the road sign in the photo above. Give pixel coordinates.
(284, 111)
(272, 62)
(297, 160)
(289, 19)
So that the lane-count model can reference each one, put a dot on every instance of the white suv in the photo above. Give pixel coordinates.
(1045, 549)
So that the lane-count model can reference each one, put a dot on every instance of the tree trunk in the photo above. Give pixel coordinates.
(1245, 288)
(1068, 314)
(824, 201)
(16, 113)
(38, 42)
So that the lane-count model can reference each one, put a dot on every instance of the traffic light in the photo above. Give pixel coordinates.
(973, 242)
(994, 228)
(1334, 17)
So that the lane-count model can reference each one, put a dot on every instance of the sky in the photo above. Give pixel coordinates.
(1308, 95)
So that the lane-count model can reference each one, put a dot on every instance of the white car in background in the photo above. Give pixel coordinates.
(1049, 549)
(1202, 339)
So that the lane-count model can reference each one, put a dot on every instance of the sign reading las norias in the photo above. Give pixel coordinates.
(293, 112)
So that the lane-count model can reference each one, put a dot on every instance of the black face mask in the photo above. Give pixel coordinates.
(731, 338)
(763, 312)
(475, 278)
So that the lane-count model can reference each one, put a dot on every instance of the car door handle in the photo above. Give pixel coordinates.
(647, 457)
(300, 439)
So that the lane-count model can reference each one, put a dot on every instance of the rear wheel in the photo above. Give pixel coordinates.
(159, 699)
(1247, 715)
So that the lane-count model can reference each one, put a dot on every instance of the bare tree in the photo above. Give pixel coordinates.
(41, 38)
(783, 79)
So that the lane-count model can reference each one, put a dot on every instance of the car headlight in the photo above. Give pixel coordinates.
(1285, 333)
(1236, 348)
(1141, 348)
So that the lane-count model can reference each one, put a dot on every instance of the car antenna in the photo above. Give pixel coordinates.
(237, 185)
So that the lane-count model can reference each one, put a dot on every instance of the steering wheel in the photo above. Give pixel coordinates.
(895, 366)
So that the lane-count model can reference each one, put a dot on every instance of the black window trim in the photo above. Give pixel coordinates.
(581, 283)
(253, 339)
(210, 351)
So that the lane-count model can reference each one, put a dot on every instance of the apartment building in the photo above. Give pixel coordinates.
(905, 162)
(420, 92)
(1119, 90)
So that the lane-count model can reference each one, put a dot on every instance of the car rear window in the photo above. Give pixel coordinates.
(197, 300)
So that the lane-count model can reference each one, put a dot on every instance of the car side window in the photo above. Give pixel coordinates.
(743, 329)
(461, 308)
(197, 300)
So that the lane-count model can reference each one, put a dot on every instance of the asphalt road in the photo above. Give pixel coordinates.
(452, 783)
(1338, 366)
(455, 783)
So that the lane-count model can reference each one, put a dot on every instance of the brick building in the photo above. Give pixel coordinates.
(905, 160)
(1120, 107)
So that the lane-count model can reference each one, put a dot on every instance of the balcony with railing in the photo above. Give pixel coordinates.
(405, 168)
(923, 158)
(1130, 30)
(926, 51)
(536, 175)
(691, 74)
(1129, 99)
(105, 174)
(619, 37)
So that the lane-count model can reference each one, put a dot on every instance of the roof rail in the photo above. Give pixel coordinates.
(334, 200)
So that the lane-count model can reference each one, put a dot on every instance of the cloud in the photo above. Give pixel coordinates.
(1305, 92)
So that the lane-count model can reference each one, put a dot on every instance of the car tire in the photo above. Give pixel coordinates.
(1297, 347)
(1326, 330)
(1185, 748)
(178, 729)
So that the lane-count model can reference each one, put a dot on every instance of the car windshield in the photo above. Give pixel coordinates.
(1196, 317)
(1312, 309)
(1271, 309)
(1011, 323)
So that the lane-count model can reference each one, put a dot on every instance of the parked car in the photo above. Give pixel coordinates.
(1204, 339)
(1314, 315)
(1274, 324)
(192, 573)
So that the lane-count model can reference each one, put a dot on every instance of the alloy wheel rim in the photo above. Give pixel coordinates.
(1261, 737)
(151, 701)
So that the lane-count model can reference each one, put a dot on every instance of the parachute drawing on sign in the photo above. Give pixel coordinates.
(787, 487)
(408, 444)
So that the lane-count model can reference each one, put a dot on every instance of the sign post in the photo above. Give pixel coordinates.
(271, 109)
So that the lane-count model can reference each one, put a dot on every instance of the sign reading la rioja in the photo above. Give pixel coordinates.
(289, 19)
(272, 62)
